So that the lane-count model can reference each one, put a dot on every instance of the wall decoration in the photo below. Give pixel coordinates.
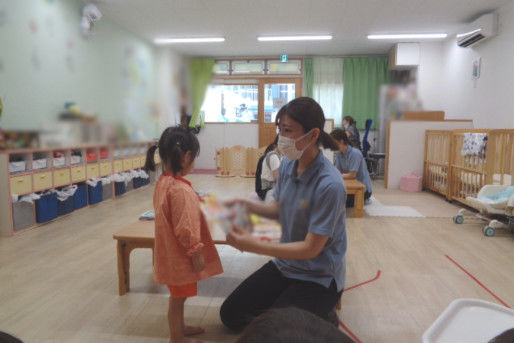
(49, 22)
(33, 26)
(70, 63)
(36, 61)
(476, 68)
(3, 17)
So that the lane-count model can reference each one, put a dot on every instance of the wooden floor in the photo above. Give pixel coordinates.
(59, 282)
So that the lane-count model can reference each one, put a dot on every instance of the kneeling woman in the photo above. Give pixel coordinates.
(351, 163)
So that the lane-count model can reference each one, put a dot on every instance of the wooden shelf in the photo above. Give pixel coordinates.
(39, 180)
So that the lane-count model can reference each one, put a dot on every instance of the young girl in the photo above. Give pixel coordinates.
(183, 252)
(269, 174)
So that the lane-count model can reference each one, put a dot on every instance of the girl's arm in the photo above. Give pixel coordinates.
(304, 250)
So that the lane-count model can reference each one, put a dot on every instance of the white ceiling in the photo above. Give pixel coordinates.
(241, 21)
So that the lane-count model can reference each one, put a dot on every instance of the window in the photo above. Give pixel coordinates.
(276, 96)
(291, 67)
(258, 66)
(231, 103)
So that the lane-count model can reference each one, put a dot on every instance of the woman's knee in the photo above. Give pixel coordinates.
(231, 317)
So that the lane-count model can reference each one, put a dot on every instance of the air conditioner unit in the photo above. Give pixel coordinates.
(484, 27)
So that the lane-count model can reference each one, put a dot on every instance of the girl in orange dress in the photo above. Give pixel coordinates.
(184, 252)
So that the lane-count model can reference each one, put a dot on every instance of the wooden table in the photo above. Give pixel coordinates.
(357, 189)
(141, 234)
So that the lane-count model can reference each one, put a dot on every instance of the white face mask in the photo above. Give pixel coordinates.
(287, 147)
(346, 126)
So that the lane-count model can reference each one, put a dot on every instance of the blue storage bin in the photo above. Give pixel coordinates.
(119, 188)
(80, 196)
(65, 206)
(137, 182)
(95, 193)
(46, 208)
(145, 182)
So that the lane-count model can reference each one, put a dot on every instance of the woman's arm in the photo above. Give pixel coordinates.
(303, 250)
(270, 211)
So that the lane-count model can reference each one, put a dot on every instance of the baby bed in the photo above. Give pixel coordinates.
(457, 176)
(491, 201)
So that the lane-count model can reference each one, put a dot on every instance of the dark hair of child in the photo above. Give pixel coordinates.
(173, 144)
(350, 120)
(272, 146)
(340, 135)
(309, 114)
(291, 324)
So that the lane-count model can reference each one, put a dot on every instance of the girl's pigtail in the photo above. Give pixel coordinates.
(150, 159)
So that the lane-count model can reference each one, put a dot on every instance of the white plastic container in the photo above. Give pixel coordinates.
(76, 159)
(39, 164)
(59, 162)
(17, 167)
(470, 321)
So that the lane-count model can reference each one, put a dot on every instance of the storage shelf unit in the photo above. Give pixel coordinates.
(26, 171)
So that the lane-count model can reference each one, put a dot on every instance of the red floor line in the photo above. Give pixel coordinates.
(477, 281)
(357, 340)
(365, 282)
(345, 328)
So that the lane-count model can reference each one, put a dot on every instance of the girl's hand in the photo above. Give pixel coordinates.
(240, 239)
(198, 262)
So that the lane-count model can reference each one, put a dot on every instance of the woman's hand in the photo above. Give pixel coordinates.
(240, 239)
(198, 262)
(233, 202)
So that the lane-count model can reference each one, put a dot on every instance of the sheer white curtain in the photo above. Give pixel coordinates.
(327, 86)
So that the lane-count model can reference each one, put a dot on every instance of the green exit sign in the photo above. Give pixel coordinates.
(283, 58)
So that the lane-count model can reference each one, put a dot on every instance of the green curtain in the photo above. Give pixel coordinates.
(362, 78)
(308, 76)
(200, 74)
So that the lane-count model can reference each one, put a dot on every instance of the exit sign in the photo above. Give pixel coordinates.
(283, 58)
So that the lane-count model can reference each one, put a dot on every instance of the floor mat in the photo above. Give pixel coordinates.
(376, 209)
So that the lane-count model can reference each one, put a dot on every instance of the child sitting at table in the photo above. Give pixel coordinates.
(184, 252)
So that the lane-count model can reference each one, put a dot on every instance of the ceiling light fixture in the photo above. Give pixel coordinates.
(410, 36)
(189, 40)
(292, 38)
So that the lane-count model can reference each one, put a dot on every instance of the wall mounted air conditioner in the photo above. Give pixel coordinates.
(484, 27)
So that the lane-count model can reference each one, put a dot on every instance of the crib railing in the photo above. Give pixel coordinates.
(437, 160)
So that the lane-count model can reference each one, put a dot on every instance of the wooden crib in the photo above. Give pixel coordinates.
(237, 161)
(458, 176)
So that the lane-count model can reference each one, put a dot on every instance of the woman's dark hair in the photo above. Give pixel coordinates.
(173, 144)
(340, 135)
(309, 114)
(272, 146)
(291, 324)
(350, 120)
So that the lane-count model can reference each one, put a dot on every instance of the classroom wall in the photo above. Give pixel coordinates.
(45, 61)
(445, 82)
(170, 72)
